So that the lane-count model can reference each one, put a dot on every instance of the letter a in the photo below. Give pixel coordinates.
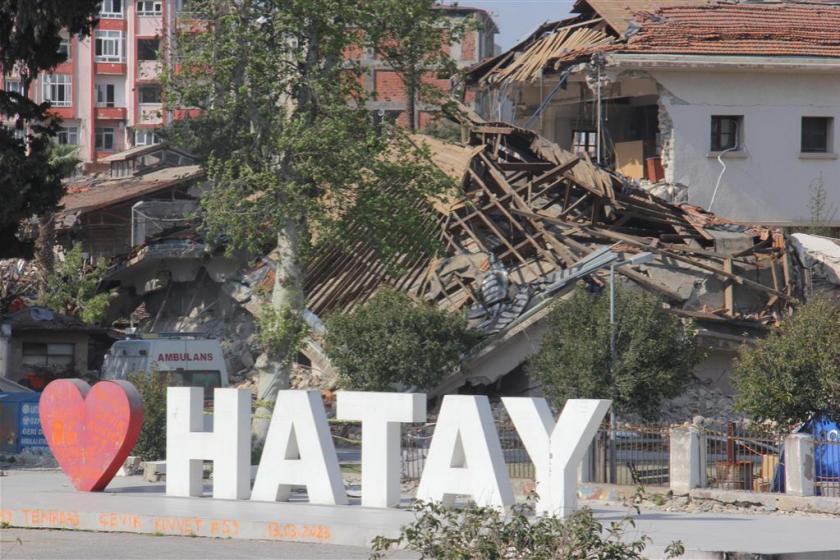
(465, 456)
(299, 452)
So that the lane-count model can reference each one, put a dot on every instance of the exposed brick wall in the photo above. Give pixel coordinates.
(426, 117)
(388, 86)
(468, 46)
(430, 78)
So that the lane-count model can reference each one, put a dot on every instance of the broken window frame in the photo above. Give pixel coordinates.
(590, 145)
(148, 49)
(143, 93)
(51, 355)
(727, 140)
(816, 139)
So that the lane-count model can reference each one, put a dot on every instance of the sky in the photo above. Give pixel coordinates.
(517, 18)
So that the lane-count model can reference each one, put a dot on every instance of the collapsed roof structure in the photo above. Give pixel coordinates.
(534, 218)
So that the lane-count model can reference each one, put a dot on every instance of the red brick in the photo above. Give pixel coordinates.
(426, 117)
(388, 86)
(468, 45)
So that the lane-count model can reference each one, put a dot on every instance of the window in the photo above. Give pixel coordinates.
(726, 132)
(148, 94)
(585, 141)
(64, 49)
(58, 90)
(109, 46)
(149, 7)
(145, 137)
(105, 139)
(104, 95)
(147, 49)
(15, 86)
(58, 356)
(111, 9)
(816, 134)
(68, 135)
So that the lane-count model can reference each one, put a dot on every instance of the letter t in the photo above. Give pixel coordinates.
(381, 415)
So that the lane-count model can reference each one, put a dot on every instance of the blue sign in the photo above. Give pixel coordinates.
(31, 434)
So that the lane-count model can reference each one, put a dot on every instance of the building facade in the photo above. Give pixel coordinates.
(107, 92)
(730, 107)
(388, 96)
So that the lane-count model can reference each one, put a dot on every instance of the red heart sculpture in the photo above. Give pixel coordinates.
(91, 431)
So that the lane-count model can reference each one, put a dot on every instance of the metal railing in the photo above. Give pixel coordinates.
(742, 457)
(630, 455)
(827, 467)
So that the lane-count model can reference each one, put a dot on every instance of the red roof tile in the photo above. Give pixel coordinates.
(740, 29)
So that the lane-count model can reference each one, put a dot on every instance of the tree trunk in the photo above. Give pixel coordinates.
(411, 100)
(287, 294)
(44, 255)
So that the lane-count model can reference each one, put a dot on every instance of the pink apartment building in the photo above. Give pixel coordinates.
(107, 92)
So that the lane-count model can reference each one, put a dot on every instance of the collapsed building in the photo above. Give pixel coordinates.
(730, 106)
(534, 219)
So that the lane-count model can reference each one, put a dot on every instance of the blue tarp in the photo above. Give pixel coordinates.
(826, 455)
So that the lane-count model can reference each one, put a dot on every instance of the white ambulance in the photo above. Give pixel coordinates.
(181, 359)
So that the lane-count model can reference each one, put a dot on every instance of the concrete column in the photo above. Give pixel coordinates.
(687, 468)
(799, 465)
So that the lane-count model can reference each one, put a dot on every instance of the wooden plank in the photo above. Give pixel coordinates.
(677, 257)
(729, 290)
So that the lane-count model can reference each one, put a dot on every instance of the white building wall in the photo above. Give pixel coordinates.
(770, 182)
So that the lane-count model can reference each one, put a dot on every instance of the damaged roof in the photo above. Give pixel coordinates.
(533, 217)
(740, 29)
(693, 27)
(620, 13)
(43, 319)
(92, 194)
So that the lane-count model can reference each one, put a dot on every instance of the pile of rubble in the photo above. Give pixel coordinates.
(534, 217)
(19, 280)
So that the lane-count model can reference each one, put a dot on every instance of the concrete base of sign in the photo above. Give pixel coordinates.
(130, 504)
(46, 499)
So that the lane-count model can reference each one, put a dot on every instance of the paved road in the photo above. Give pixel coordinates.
(44, 544)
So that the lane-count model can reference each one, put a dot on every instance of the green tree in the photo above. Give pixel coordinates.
(794, 372)
(655, 352)
(30, 184)
(393, 340)
(72, 288)
(410, 37)
(292, 157)
(151, 444)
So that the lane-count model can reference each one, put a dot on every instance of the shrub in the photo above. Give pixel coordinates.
(655, 351)
(483, 532)
(71, 288)
(392, 340)
(151, 445)
(794, 372)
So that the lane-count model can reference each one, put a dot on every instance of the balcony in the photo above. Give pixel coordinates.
(148, 70)
(63, 112)
(110, 68)
(111, 113)
(150, 113)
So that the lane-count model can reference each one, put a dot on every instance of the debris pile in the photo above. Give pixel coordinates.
(533, 218)
(19, 280)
